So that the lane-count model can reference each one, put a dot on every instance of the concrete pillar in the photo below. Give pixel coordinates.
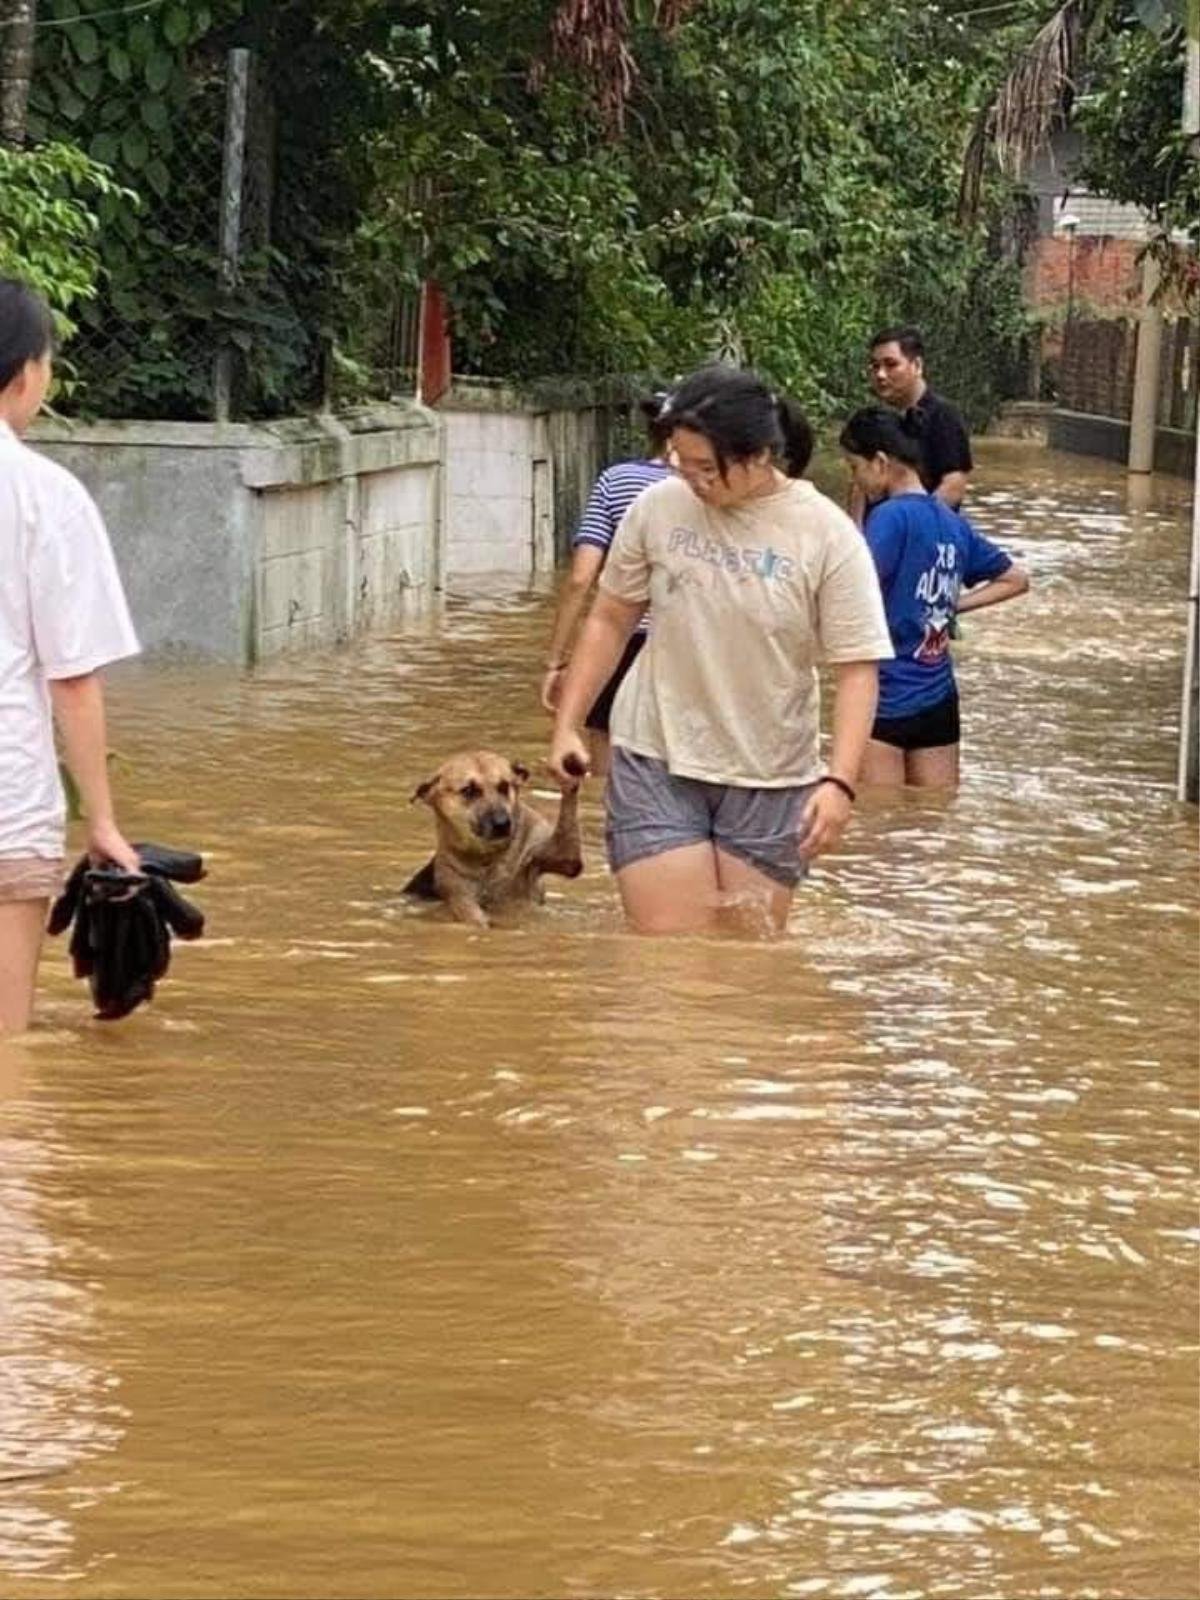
(1189, 722)
(1144, 416)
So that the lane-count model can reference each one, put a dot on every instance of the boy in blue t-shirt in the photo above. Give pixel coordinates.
(932, 566)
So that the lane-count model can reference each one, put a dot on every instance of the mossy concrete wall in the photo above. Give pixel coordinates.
(237, 542)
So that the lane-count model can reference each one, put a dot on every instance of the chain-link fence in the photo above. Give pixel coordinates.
(145, 345)
(196, 318)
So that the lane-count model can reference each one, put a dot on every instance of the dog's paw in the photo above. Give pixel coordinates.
(470, 916)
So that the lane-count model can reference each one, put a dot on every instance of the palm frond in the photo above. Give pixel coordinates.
(594, 37)
(1028, 105)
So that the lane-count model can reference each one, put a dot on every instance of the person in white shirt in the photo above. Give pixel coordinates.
(63, 616)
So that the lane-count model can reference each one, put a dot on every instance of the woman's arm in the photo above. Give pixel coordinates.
(79, 711)
(605, 635)
(828, 809)
(1007, 586)
(586, 561)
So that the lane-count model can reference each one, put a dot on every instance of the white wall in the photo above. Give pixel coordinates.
(339, 557)
(489, 490)
(239, 542)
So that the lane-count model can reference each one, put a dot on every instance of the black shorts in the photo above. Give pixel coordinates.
(925, 730)
(597, 717)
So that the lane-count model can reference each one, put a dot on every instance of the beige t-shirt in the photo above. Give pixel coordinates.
(745, 602)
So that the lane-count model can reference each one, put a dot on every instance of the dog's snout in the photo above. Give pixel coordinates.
(495, 823)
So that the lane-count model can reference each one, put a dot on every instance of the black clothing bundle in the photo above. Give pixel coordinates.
(121, 941)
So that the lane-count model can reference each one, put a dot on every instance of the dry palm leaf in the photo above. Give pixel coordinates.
(593, 36)
(1030, 102)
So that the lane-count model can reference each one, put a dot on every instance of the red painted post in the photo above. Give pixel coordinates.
(434, 369)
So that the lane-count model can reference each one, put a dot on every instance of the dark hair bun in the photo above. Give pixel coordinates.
(738, 414)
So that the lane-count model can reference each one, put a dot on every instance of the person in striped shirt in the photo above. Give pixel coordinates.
(614, 492)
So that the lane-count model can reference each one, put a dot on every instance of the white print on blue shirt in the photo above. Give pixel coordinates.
(938, 586)
(767, 564)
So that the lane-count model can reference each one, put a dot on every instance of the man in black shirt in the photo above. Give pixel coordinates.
(897, 364)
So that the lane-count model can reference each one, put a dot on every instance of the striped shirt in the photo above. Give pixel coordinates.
(614, 492)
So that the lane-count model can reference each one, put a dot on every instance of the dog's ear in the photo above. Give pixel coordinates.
(424, 790)
(520, 771)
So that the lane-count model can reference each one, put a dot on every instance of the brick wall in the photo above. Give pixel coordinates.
(1106, 271)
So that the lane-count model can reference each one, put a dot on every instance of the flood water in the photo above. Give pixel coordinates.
(385, 1258)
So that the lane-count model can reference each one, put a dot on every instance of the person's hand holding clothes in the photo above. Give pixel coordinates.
(107, 845)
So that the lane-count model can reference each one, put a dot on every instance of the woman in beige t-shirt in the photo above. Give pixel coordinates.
(717, 797)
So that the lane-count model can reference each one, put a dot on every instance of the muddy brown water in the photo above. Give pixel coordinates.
(381, 1258)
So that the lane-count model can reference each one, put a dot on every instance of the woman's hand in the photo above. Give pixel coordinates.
(107, 845)
(552, 687)
(568, 760)
(823, 821)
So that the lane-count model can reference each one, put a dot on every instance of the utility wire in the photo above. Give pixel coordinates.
(982, 11)
(90, 16)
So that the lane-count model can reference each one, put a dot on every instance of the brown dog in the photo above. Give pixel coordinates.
(492, 848)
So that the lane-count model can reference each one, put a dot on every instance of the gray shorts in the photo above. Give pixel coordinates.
(650, 810)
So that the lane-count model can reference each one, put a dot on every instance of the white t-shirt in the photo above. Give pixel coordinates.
(746, 601)
(62, 615)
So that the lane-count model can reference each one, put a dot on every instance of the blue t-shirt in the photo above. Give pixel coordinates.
(924, 553)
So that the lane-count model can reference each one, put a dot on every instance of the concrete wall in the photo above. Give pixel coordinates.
(181, 523)
(349, 533)
(238, 542)
(489, 489)
(517, 474)
(1108, 437)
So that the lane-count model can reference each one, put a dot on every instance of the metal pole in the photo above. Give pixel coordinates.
(1071, 275)
(233, 168)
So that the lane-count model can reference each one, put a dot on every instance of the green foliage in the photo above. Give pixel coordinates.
(1116, 76)
(121, 83)
(49, 201)
(786, 182)
(146, 91)
(1130, 118)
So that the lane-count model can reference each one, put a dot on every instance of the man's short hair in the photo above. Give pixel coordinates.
(910, 340)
